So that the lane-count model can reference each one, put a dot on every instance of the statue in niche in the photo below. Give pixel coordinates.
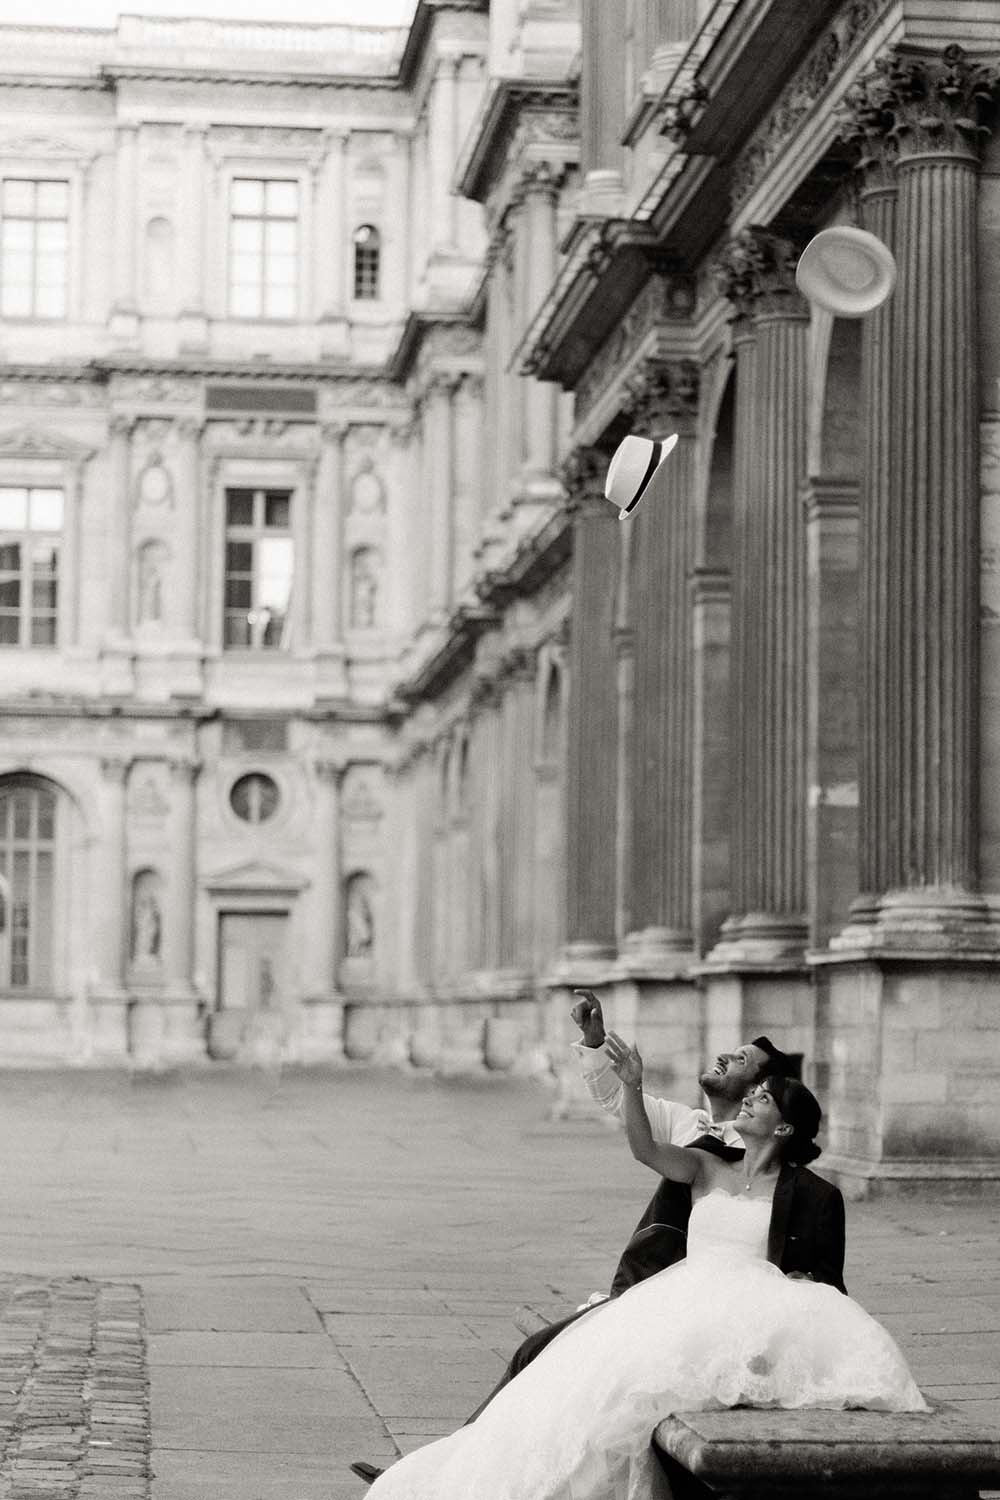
(146, 926)
(151, 560)
(366, 491)
(364, 588)
(360, 919)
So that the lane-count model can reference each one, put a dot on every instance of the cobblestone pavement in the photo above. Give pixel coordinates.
(330, 1266)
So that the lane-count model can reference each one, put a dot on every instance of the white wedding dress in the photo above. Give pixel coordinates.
(722, 1328)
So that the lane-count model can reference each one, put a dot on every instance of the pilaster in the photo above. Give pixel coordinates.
(189, 531)
(326, 546)
(178, 936)
(118, 504)
(439, 447)
(107, 891)
(193, 320)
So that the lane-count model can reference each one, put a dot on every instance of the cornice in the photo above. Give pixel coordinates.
(454, 653)
(490, 140)
(421, 30)
(113, 74)
(260, 372)
(418, 326)
(609, 265)
(538, 557)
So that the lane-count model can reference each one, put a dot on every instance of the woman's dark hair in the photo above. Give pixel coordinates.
(800, 1109)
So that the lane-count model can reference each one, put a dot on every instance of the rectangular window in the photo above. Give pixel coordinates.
(31, 523)
(259, 567)
(34, 248)
(263, 248)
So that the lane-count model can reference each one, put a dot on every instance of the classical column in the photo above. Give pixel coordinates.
(468, 413)
(922, 735)
(178, 937)
(711, 754)
(188, 520)
(108, 891)
(592, 730)
(441, 142)
(769, 617)
(71, 558)
(624, 638)
(439, 450)
(602, 92)
(118, 503)
(488, 812)
(328, 916)
(124, 238)
(541, 192)
(663, 546)
(193, 238)
(325, 550)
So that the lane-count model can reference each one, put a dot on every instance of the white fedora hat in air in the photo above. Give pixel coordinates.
(636, 463)
(846, 270)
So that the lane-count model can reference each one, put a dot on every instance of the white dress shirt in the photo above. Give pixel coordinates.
(671, 1123)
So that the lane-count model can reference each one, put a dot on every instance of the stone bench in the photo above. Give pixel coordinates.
(747, 1454)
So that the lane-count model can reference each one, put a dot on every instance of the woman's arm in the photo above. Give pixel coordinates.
(675, 1162)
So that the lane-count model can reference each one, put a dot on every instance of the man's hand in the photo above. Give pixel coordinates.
(589, 1017)
(625, 1060)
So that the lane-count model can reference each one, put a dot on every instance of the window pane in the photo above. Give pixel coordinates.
(277, 508)
(281, 238)
(281, 302)
(52, 199)
(46, 510)
(239, 593)
(237, 630)
(50, 270)
(10, 629)
(50, 237)
(22, 816)
(275, 581)
(10, 593)
(50, 302)
(44, 595)
(239, 508)
(247, 196)
(246, 270)
(283, 198)
(13, 517)
(18, 196)
(18, 235)
(46, 815)
(281, 271)
(247, 236)
(43, 630)
(244, 301)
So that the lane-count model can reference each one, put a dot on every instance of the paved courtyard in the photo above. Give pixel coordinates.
(327, 1266)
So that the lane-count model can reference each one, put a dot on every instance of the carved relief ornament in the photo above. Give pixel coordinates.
(663, 394)
(943, 103)
(663, 299)
(756, 272)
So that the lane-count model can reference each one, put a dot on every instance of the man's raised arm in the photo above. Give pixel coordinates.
(669, 1122)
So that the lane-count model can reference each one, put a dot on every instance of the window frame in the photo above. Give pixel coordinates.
(36, 986)
(359, 250)
(267, 172)
(57, 162)
(25, 571)
(254, 532)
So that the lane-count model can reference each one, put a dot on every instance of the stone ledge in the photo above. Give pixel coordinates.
(752, 1454)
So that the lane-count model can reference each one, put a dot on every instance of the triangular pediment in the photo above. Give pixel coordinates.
(37, 442)
(256, 875)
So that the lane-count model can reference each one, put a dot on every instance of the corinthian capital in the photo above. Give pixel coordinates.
(939, 103)
(583, 475)
(663, 395)
(867, 123)
(756, 272)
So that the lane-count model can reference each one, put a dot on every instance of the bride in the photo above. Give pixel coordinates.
(722, 1328)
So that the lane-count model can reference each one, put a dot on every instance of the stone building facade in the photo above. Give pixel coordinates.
(357, 723)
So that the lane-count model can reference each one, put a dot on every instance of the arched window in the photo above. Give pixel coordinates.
(27, 857)
(367, 258)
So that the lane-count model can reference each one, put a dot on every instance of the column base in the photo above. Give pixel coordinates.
(927, 922)
(657, 953)
(584, 962)
(761, 938)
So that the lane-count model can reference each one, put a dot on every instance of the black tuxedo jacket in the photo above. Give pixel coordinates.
(806, 1233)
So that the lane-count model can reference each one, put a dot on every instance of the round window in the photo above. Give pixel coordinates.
(254, 798)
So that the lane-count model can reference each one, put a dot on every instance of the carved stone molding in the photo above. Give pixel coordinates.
(829, 54)
(518, 665)
(680, 118)
(756, 272)
(583, 474)
(664, 299)
(867, 122)
(542, 177)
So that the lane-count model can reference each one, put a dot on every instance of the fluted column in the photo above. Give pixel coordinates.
(188, 502)
(602, 90)
(517, 835)
(108, 890)
(118, 502)
(920, 708)
(325, 552)
(178, 935)
(592, 729)
(758, 276)
(662, 778)
(441, 143)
